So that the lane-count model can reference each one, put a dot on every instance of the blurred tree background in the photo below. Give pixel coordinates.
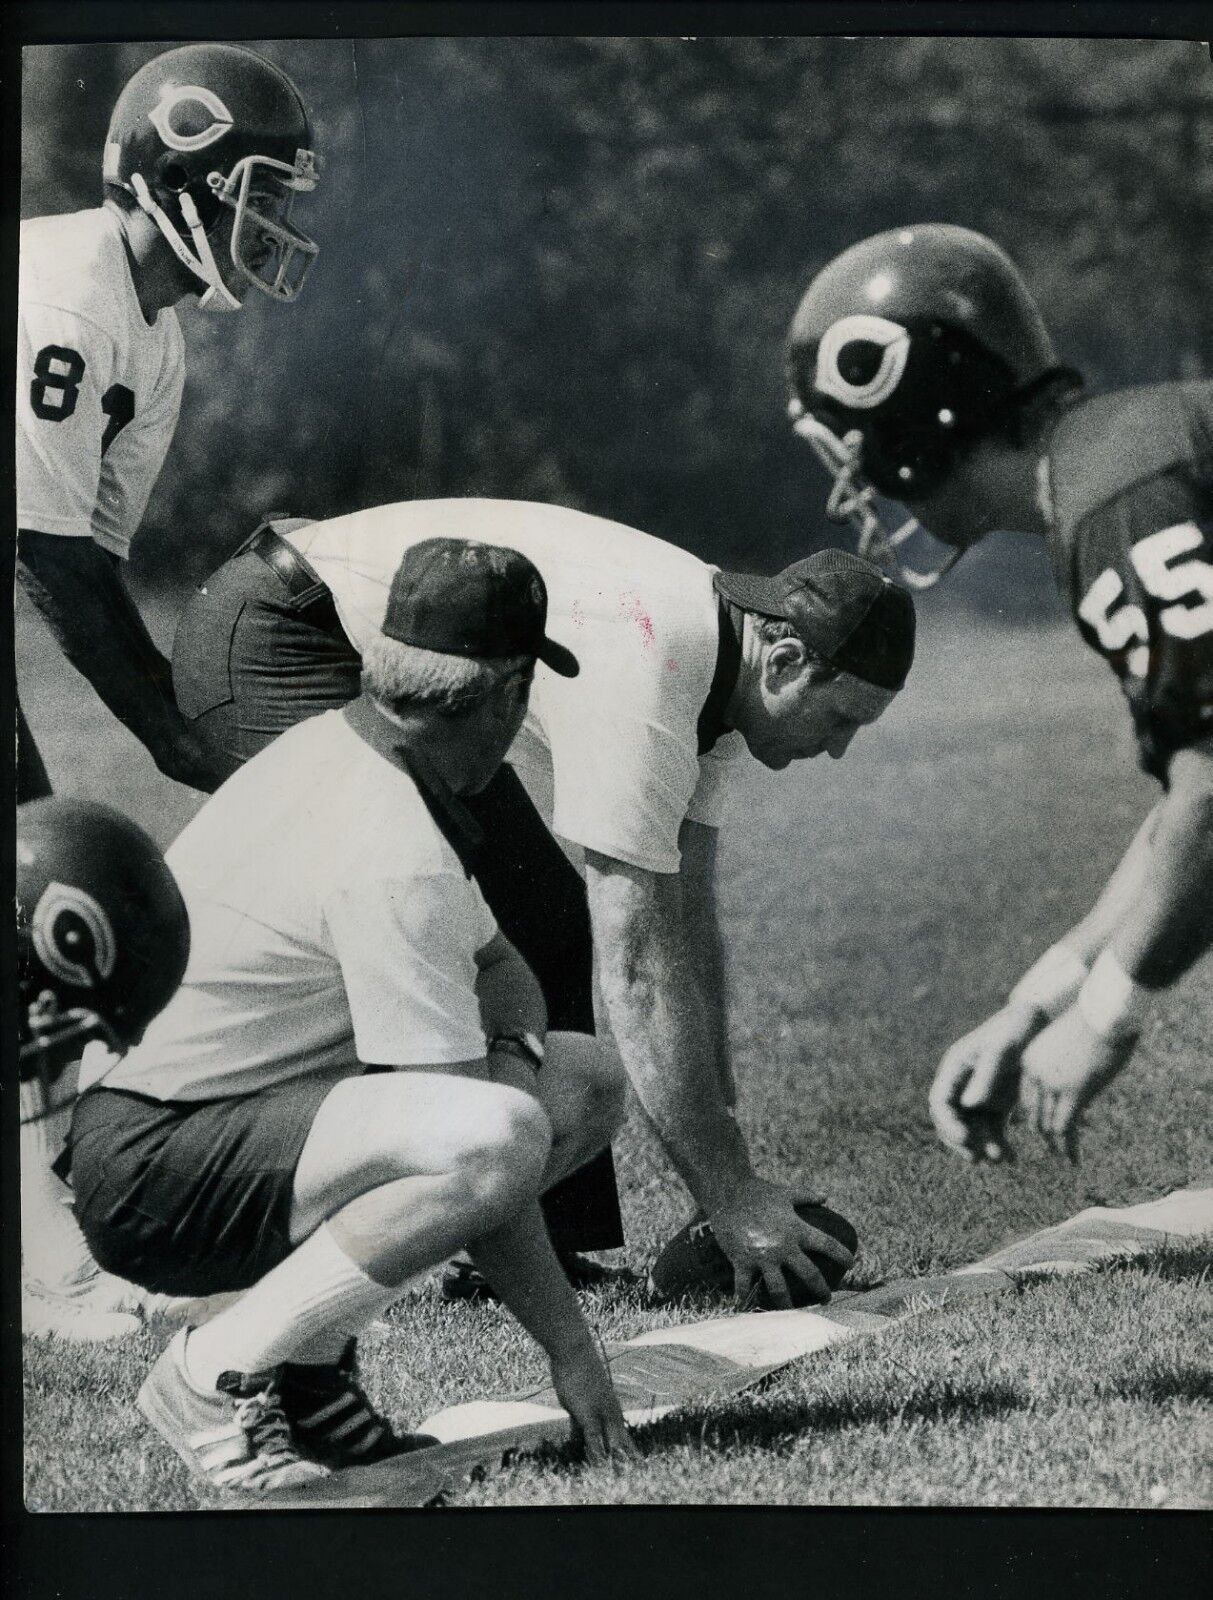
(562, 268)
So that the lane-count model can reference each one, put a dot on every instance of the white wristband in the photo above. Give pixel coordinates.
(1110, 1002)
(1052, 983)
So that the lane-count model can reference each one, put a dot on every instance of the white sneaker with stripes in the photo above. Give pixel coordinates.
(239, 1438)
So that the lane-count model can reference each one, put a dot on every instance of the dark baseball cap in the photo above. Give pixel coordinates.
(462, 598)
(844, 608)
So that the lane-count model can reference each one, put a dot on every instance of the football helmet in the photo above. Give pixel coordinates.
(102, 933)
(905, 350)
(210, 128)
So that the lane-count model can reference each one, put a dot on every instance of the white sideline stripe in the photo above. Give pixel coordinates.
(752, 1338)
(767, 1338)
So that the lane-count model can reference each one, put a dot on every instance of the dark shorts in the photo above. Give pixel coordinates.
(190, 1197)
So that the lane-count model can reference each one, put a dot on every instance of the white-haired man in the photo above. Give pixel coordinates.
(352, 1082)
(681, 666)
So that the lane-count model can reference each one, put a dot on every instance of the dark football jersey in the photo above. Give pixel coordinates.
(1131, 483)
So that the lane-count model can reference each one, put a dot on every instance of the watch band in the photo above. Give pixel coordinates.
(526, 1046)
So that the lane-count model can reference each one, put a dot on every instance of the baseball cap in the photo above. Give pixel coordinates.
(843, 607)
(463, 598)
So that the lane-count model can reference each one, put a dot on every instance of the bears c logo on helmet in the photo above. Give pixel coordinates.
(861, 359)
(73, 936)
(189, 117)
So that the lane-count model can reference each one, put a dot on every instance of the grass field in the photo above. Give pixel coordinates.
(874, 909)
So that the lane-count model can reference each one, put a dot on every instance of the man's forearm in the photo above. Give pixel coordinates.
(508, 993)
(519, 1262)
(668, 1031)
(1170, 923)
(1120, 894)
(84, 602)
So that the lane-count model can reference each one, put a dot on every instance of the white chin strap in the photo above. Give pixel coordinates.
(218, 296)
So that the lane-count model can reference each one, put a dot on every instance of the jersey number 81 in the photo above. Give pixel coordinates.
(55, 389)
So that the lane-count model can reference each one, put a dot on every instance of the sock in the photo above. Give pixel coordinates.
(303, 1310)
(53, 1249)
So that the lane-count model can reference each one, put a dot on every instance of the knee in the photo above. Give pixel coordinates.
(506, 1154)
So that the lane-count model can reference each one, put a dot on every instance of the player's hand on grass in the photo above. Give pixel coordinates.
(976, 1084)
(583, 1387)
(764, 1239)
(1063, 1070)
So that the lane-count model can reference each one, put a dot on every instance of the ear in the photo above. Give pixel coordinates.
(783, 663)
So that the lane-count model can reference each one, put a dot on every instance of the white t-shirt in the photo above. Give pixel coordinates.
(611, 756)
(330, 923)
(98, 390)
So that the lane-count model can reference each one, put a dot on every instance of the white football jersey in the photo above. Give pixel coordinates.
(98, 389)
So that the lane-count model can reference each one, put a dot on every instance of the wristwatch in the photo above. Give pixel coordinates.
(527, 1047)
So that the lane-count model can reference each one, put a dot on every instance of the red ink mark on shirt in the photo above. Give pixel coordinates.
(577, 615)
(672, 665)
(633, 608)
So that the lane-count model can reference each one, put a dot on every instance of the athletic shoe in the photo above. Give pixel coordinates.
(332, 1419)
(237, 1438)
(462, 1281)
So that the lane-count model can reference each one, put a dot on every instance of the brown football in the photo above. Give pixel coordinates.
(693, 1262)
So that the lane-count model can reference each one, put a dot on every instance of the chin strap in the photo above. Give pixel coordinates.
(218, 296)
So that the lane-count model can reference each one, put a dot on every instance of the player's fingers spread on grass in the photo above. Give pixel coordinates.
(950, 1125)
(744, 1280)
(777, 1287)
(1029, 1099)
(989, 1133)
(809, 1275)
(987, 1081)
(824, 1244)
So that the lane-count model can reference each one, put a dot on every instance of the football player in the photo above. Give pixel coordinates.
(206, 149)
(102, 943)
(920, 370)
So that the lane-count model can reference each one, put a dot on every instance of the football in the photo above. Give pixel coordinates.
(693, 1262)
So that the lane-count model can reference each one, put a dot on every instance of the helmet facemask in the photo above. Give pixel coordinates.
(852, 496)
(265, 248)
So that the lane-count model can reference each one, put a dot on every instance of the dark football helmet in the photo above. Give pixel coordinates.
(102, 933)
(906, 349)
(212, 127)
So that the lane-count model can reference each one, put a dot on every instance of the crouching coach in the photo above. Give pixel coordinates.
(355, 1079)
(682, 669)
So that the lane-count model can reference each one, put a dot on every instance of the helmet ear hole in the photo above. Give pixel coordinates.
(174, 176)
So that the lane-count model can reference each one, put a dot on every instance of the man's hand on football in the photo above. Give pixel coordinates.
(759, 1231)
(583, 1387)
(1063, 1070)
(976, 1082)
